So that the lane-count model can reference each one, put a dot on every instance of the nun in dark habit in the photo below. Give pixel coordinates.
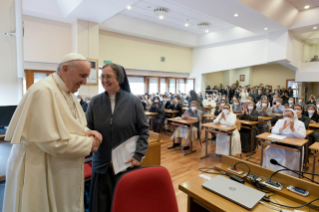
(118, 115)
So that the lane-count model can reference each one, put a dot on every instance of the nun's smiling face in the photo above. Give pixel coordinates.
(109, 80)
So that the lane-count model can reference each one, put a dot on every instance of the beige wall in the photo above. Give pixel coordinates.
(138, 53)
(273, 74)
(46, 40)
(10, 85)
(214, 78)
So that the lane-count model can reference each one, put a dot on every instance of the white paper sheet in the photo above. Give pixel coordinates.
(280, 137)
(122, 153)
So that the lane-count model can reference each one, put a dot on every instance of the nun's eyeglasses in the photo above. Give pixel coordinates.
(106, 77)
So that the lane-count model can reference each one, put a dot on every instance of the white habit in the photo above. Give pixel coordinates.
(285, 157)
(222, 141)
(211, 103)
(45, 167)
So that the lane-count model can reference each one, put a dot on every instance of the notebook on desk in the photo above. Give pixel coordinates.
(238, 193)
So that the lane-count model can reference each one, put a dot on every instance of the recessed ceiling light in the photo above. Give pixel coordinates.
(307, 7)
(186, 24)
(236, 15)
(161, 17)
(315, 27)
(266, 29)
(207, 31)
(129, 7)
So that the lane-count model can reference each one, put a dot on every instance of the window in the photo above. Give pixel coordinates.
(181, 85)
(152, 85)
(137, 85)
(163, 86)
(190, 85)
(33, 76)
(171, 86)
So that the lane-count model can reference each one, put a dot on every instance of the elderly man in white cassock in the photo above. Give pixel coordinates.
(50, 140)
(290, 126)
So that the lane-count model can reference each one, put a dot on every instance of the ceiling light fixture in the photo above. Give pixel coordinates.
(160, 12)
(266, 29)
(307, 7)
(315, 27)
(236, 15)
(203, 25)
(129, 7)
(186, 24)
(207, 31)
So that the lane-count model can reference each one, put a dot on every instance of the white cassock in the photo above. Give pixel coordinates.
(222, 141)
(285, 157)
(212, 103)
(45, 167)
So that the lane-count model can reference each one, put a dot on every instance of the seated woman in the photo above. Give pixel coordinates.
(289, 126)
(291, 102)
(249, 113)
(166, 102)
(236, 106)
(158, 120)
(312, 113)
(209, 102)
(227, 117)
(264, 110)
(184, 132)
(219, 108)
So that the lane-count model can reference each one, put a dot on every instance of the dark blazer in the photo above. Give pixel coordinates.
(177, 107)
(217, 112)
(127, 120)
(253, 116)
(144, 105)
(84, 105)
(305, 120)
(315, 117)
(167, 105)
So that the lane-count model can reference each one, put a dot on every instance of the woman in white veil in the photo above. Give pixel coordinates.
(227, 117)
(289, 126)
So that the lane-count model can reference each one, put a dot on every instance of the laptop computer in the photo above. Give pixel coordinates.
(238, 193)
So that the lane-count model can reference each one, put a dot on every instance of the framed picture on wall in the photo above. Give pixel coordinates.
(93, 77)
(242, 78)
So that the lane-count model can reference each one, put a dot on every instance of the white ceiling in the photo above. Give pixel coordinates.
(300, 4)
(176, 17)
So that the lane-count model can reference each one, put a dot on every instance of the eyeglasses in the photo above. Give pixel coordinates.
(106, 77)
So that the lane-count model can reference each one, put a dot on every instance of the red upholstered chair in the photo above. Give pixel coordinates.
(144, 190)
(87, 172)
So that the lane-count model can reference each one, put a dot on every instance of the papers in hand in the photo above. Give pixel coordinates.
(280, 137)
(122, 153)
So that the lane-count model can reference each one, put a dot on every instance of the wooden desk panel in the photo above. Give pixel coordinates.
(250, 123)
(314, 125)
(219, 127)
(183, 121)
(171, 111)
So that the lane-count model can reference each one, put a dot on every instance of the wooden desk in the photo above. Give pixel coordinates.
(200, 199)
(171, 112)
(237, 114)
(189, 124)
(209, 108)
(314, 125)
(150, 115)
(264, 120)
(249, 125)
(153, 154)
(207, 117)
(277, 115)
(315, 147)
(218, 129)
(297, 142)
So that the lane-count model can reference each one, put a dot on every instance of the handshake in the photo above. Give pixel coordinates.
(96, 139)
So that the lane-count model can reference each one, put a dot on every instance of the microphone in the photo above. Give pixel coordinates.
(275, 162)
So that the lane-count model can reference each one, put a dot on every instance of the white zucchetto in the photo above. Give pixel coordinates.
(72, 57)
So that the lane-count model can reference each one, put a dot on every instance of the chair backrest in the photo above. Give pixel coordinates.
(155, 135)
(144, 190)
